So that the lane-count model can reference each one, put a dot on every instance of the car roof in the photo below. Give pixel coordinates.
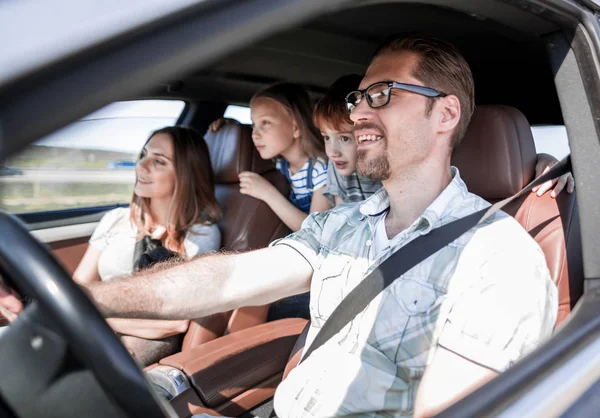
(503, 47)
(74, 27)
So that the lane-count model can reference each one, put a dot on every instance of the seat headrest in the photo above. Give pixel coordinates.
(232, 151)
(497, 157)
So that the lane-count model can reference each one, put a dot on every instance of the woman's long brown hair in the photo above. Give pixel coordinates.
(294, 98)
(194, 199)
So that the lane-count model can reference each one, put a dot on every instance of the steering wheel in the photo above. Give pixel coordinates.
(61, 303)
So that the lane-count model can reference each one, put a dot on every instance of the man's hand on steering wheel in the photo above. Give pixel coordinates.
(10, 304)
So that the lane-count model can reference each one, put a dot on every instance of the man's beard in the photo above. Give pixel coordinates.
(377, 168)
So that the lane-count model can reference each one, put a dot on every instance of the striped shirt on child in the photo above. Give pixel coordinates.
(299, 179)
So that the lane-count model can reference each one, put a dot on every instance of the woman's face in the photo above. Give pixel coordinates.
(155, 169)
(272, 127)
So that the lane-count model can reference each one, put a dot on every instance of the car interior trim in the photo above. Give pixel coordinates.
(65, 232)
(579, 116)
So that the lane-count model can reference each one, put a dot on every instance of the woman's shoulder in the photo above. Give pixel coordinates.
(202, 238)
(113, 222)
(118, 217)
(118, 213)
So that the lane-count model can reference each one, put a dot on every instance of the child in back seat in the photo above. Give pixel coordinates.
(344, 184)
(282, 129)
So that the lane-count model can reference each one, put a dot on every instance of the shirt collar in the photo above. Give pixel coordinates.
(440, 208)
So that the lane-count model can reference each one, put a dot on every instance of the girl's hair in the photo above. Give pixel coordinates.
(193, 200)
(294, 98)
(331, 110)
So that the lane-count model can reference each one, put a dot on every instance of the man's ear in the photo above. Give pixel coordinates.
(450, 112)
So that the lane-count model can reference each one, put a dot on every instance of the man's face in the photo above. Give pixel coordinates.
(394, 139)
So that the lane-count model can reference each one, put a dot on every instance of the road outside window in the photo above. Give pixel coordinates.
(86, 164)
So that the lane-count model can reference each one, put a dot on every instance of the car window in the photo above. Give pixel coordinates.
(239, 113)
(551, 139)
(88, 163)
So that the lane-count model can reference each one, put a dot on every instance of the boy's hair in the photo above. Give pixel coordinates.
(294, 98)
(331, 110)
(441, 67)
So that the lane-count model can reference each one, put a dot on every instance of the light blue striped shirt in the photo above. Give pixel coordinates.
(299, 179)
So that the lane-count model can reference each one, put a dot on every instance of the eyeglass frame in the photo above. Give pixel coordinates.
(412, 88)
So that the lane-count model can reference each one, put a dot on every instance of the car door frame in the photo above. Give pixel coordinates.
(226, 25)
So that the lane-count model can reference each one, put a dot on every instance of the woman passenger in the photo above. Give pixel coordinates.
(173, 214)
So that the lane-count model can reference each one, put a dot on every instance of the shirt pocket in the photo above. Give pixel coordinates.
(418, 307)
(329, 283)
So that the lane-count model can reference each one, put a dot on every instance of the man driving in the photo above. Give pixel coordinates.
(442, 329)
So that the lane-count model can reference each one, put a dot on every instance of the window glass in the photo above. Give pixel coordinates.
(551, 139)
(90, 162)
(239, 113)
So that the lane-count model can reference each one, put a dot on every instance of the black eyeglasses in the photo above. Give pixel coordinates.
(378, 94)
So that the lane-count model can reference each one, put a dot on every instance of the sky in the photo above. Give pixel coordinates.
(125, 126)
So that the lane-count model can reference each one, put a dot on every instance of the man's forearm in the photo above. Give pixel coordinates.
(205, 285)
(183, 291)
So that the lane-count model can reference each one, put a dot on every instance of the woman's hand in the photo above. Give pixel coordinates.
(256, 186)
(544, 163)
(215, 125)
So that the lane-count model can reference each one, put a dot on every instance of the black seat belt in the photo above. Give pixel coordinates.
(412, 254)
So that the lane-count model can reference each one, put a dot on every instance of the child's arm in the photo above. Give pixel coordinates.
(544, 162)
(338, 200)
(318, 202)
(256, 186)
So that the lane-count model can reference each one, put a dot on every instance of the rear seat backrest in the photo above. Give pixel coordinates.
(247, 223)
(496, 159)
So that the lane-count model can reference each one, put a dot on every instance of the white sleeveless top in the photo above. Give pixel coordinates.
(115, 236)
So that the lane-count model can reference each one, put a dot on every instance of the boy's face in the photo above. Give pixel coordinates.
(341, 148)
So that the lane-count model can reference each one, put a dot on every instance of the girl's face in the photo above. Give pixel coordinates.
(341, 149)
(155, 169)
(273, 128)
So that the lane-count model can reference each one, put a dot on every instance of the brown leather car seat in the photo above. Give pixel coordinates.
(247, 223)
(496, 159)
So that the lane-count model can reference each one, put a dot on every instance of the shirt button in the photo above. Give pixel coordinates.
(369, 242)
